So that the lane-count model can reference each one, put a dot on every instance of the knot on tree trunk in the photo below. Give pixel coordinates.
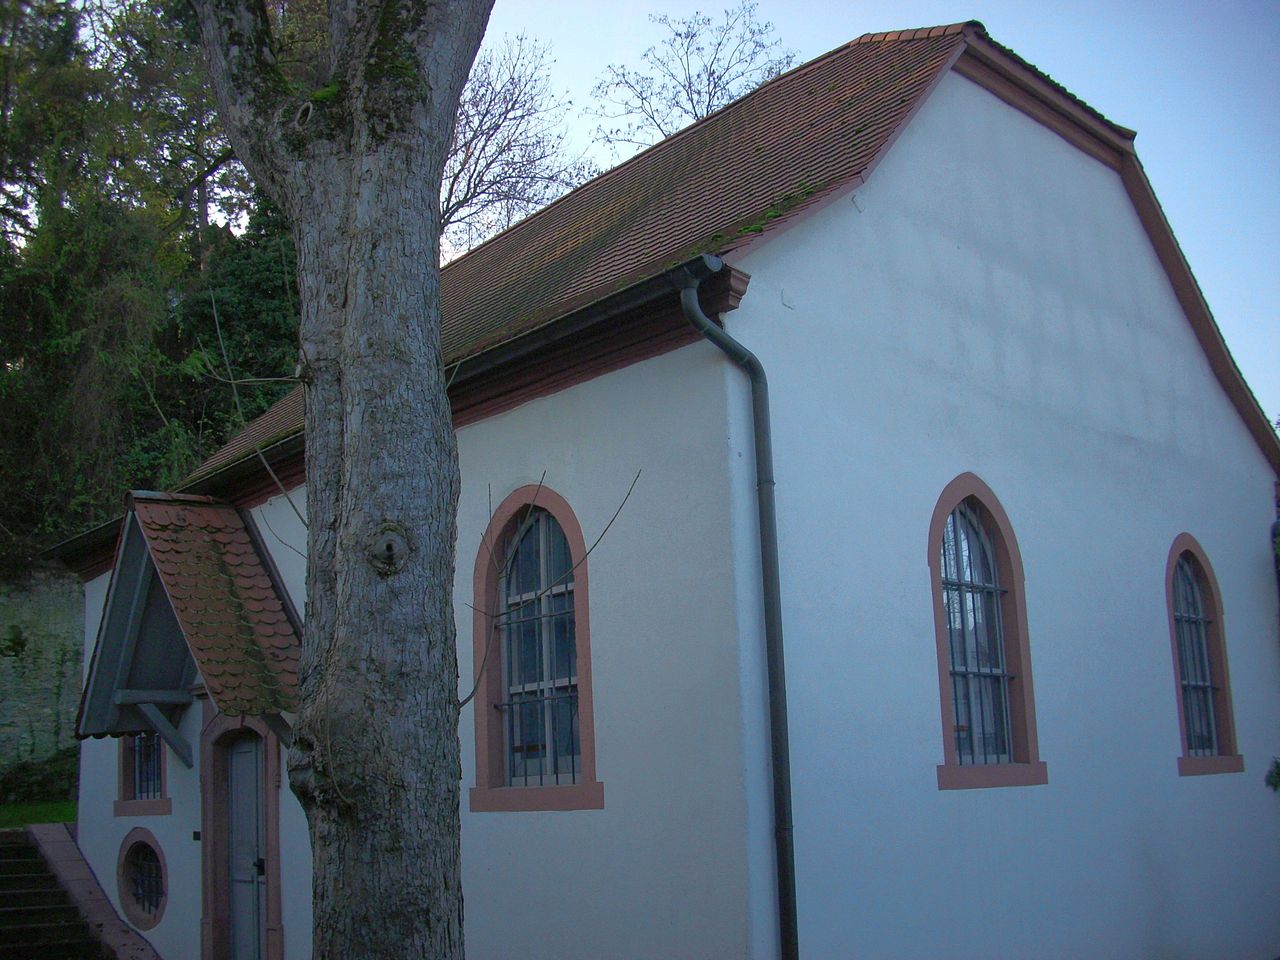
(389, 548)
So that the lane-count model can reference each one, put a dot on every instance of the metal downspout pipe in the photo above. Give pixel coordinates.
(693, 275)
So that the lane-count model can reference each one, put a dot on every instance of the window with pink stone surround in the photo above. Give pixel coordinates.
(153, 799)
(142, 879)
(496, 788)
(1017, 761)
(1206, 717)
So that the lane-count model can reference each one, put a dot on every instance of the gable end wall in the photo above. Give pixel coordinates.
(990, 302)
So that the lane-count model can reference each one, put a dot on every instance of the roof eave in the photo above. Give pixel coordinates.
(639, 294)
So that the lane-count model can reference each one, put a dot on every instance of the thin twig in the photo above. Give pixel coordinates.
(152, 397)
(542, 593)
(282, 539)
(217, 325)
(250, 381)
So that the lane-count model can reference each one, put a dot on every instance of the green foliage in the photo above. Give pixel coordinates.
(51, 102)
(110, 350)
(326, 93)
(1273, 774)
(34, 781)
(112, 166)
(167, 141)
(251, 280)
(22, 814)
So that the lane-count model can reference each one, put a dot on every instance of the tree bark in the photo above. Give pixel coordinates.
(357, 166)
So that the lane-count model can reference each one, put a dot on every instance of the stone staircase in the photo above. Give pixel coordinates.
(38, 920)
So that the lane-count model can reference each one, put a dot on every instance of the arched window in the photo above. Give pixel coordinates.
(972, 598)
(1205, 715)
(539, 657)
(535, 740)
(984, 659)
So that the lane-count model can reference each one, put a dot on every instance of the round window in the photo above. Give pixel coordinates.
(141, 879)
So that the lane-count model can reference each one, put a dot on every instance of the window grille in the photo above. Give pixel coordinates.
(973, 597)
(540, 668)
(146, 767)
(1191, 626)
(145, 876)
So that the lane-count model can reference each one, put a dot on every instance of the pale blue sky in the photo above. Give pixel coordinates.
(1199, 82)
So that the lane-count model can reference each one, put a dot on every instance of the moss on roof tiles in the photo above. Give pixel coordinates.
(225, 603)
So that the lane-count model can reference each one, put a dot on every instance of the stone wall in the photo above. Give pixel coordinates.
(41, 639)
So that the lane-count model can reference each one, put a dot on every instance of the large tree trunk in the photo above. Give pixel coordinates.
(375, 757)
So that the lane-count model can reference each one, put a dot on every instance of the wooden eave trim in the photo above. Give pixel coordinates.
(95, 659)
(1196, 309)
(269, 565)
(1022, 89)
(584, 347)
(247, 478)
(91, 553)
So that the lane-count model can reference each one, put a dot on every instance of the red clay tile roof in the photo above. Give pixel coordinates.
(708, 188)
(703, 190)
(283, 419)
(229, 611)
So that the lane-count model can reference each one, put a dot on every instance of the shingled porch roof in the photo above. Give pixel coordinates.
(230, 613)
(199, 553)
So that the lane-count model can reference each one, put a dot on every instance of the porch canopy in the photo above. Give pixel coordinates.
(193, 599)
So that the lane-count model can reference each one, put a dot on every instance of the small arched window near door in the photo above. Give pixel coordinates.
(984, 658)
(535, 741)
(1205, 715)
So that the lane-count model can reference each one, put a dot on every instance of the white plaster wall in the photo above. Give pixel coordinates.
(660, 872)
(279, 522)
(988, 302)
(100, 833)
(295, 870)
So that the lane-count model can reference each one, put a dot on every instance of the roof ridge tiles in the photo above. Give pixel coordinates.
(923, 33)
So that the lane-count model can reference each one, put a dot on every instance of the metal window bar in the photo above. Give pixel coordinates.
(145, 878)
(146, 766)
(1191, 627)
(979, 677)
(540, 657)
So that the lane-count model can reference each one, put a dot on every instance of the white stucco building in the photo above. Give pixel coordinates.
(1027, 588)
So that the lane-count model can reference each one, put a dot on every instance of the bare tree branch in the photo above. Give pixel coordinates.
(699, 67)
(508, 155)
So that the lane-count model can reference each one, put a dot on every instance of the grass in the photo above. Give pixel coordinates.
(21, 814)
